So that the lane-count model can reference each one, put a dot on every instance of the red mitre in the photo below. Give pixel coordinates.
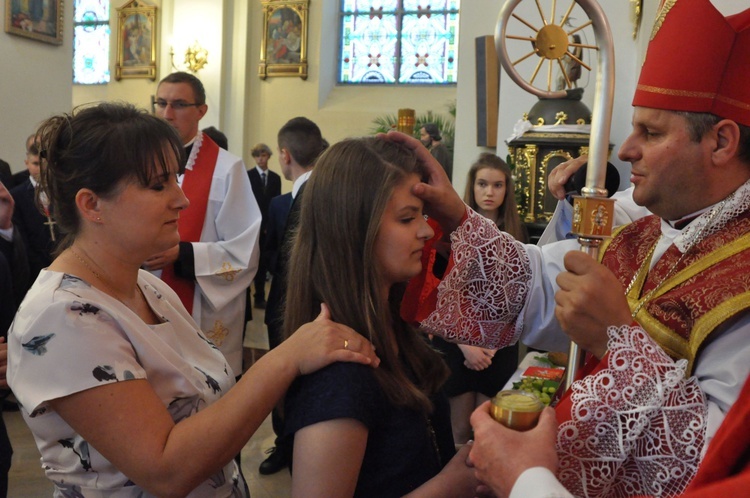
(697, 61)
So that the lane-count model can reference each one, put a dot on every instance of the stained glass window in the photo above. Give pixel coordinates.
(91, 42)
(399, 42)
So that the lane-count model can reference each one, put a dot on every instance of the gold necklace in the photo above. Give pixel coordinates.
(85, 263)
(102, 280)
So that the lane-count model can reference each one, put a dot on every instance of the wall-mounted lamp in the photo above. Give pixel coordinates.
(195, 58)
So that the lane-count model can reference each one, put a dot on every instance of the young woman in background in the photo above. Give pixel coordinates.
(477, 374)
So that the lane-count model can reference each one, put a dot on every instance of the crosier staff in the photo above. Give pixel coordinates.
(593, 212)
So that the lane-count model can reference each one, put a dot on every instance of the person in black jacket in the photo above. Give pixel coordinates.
(11, 255)
(34, 220)
(266, 185)
(300, 144)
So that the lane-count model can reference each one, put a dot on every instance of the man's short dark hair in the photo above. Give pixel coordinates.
(302, 138)
(182, 77)
(217, 136)
(700, 123)
(433, 131)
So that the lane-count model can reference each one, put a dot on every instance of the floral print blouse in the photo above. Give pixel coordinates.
(68, 337)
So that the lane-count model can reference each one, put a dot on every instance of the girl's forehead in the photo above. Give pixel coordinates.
(490, 172)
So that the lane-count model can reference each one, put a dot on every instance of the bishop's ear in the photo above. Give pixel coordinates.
(727, 141)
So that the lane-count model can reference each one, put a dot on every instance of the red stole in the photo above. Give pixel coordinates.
(196, 184)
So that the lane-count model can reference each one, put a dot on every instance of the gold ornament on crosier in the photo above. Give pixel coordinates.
(553, 43)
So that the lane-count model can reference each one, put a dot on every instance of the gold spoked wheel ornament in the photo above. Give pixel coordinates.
(556, 45)
(551, 43)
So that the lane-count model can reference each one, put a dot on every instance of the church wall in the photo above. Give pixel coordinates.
(36, 83)
(251, 110)
(136, 91)
(37, 80)
(340, 111)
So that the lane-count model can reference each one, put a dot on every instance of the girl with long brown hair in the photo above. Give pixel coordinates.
(358, 431)
(490, 192)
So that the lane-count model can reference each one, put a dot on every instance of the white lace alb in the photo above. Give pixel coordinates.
(479, 302)
(637, 427)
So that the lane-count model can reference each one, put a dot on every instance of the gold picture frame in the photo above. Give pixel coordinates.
(283, 51)
(136, 41)
(41, 20)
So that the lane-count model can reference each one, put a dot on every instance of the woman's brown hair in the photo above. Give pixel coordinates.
(508, 219)
(96, 147)
(332, 262)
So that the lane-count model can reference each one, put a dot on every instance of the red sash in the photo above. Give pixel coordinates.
(196, 184)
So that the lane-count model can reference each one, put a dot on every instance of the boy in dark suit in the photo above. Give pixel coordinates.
(34, 222)
(266, 185)
(300, 144)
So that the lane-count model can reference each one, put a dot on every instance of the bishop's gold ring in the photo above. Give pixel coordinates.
(346, 344)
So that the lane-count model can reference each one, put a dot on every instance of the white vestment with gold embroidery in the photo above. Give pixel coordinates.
(226, 258)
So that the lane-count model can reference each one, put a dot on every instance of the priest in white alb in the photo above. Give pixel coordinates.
(218, 253)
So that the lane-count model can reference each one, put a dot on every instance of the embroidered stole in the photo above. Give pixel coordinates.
(709, 287)
(710, 284)
(196, 184)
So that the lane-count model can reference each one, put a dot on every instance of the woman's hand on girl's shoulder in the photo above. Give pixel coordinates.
(323, 341)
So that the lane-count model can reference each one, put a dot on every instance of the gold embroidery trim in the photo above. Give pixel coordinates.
(668, 4)
(726, 251)
(733, 102)
(218, 333)
(227, 271)
(607, 241)
(674, 344)
(677, 93)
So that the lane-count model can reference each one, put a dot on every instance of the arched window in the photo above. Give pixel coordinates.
(91, 42)
(399, 42)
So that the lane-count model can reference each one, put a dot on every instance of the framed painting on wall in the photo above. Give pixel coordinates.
(283, 50)
(40, 20)
(136, 41)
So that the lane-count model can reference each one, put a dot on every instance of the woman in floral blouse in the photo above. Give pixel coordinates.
(124, 394)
